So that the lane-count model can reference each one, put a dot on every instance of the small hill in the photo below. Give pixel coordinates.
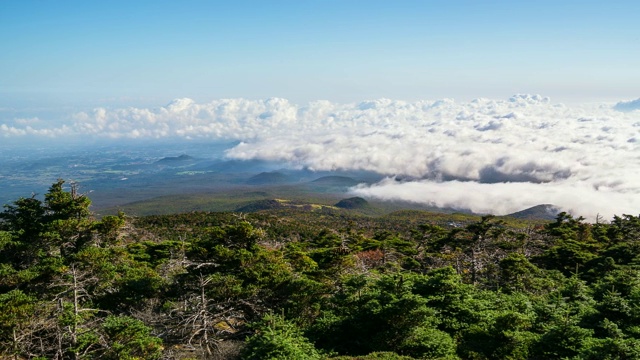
(268, 178)
(342, 181)
(352, 203)
(260, 205)
(538, 212)
(174, 159)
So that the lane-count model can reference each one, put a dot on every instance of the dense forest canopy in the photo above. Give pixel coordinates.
(313, 284)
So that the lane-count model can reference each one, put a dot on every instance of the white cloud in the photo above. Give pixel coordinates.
(577, 197)
(485, 155)
(184, 118)
(12, 131)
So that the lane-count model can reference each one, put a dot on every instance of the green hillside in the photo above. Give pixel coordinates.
(308, 281)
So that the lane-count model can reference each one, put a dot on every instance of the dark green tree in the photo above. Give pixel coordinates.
(129, 339)
(278, 339)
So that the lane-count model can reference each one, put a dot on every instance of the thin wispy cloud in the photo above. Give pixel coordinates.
(485, 155)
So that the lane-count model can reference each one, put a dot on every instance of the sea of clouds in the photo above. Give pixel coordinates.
(488, 156)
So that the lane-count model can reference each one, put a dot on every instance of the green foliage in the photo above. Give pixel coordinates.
(517, 273)
(278, 339)
(108, 227)
(381, 315)
(615, 345)
(23, 222)
(425, 342)
(382, 355)
(65, 205)
(17, 310)
(129, 339)
(402, 286)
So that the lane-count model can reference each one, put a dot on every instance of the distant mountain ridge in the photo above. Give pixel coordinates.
(183, 157)
(538, 212)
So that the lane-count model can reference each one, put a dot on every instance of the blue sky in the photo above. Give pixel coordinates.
(149, 52)
(249, 72)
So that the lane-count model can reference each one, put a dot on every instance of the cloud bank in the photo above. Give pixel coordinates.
(490, 156)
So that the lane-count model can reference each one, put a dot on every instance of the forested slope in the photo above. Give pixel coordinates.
(301, 284)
